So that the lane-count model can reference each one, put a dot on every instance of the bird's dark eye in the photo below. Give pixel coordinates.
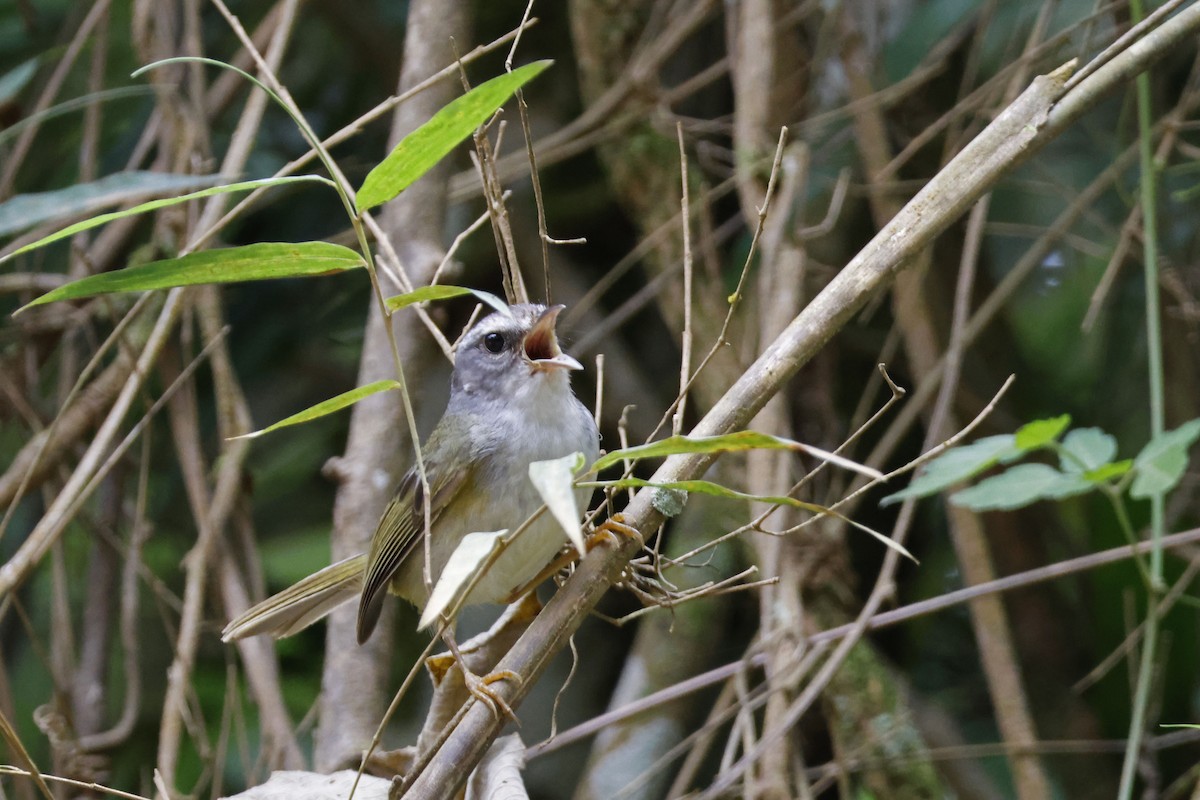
(494, 342)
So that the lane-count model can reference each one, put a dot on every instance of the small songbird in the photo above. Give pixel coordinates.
(510, 404)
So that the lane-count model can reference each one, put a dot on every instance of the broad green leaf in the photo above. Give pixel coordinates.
(452, 584)
(325, 407)
(956, 465)
(1041, 432)
(252, 262)
(1162, 461)
(1086, 450)
(13, 81)
(443, 292)
(1020, 486)
(717, 490)
(101, 219)
(29, 210)
(730, 442)
(418, 152)
(554, 481)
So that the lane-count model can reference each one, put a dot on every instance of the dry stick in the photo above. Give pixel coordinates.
(1039, 115)
(212, 513)
(991, 623)
(881, 620)
(262, 668)
(1170, 136)
(573, 137)
(995, 301)
(685, 358)
(130, 650)
(1127, 645)
(55, 520)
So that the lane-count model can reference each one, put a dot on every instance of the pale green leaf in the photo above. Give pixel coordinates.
(153, 205)
(464, 563)
(29, 210)
(1109, 472)
(717, 490)
(326, 407)
(250, 262)
(1041, 432)
(1162, 461)
(444, 292)
(956, 465)
(13, 81)
(554, 481)
(1086, 450)
(418, 152)
(1020, 486)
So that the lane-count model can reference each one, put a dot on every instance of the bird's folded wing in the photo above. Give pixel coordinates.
(400, 529)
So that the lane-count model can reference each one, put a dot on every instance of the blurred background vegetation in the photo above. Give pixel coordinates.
(876, 97)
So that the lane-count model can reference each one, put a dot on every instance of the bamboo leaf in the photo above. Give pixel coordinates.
(251, 262)
(325, 407)
(443, 292)
(153, 205)
(418, 152)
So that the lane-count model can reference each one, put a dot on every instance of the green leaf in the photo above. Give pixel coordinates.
(1041, 432)
(555, 482)
(1109, 472)
(1020, 486)
(1162, 461)
(96, 221)
(13, 81)
(717, 490)
(957, 465)
(674, 445)
(252, 262)
(1087, 450)
(418, 152)
(452, 584)
(29, 210)
(326, 407)
(443, 292)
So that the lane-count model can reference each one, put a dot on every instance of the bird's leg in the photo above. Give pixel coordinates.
(612, 528)
(480, 687)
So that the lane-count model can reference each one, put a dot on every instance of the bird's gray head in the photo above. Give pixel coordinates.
(514, 356)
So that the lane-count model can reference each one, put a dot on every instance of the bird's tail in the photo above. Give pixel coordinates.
(301, 604)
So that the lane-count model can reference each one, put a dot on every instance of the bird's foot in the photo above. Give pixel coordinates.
(481, 689)
(614, 530)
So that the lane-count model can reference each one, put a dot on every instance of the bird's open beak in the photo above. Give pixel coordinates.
(541, 344)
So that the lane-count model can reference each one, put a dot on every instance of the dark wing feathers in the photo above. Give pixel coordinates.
(398, 536)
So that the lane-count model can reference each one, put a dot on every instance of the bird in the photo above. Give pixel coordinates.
(510, 404)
